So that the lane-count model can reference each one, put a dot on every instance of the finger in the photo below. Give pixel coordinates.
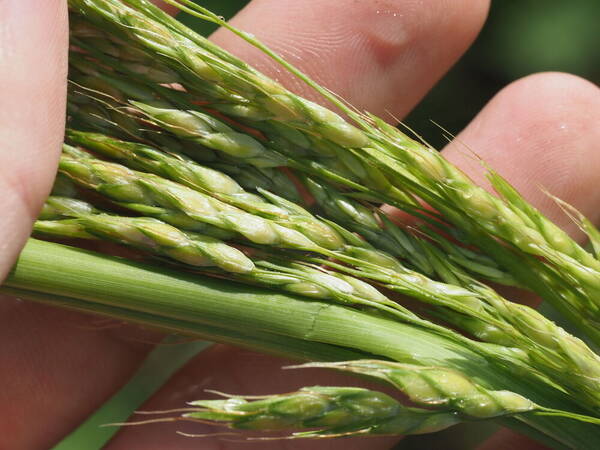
(53, 361)
(33, 67)
(60, 364)
(234, 371)
(509, 440)
(380, 56)
(166, 7)
(540, 132)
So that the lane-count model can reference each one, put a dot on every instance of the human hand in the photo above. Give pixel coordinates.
(379, 61)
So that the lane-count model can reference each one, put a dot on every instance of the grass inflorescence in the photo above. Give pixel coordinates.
(175, 148)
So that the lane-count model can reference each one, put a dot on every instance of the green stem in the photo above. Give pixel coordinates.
(255, 340)
(177, 301)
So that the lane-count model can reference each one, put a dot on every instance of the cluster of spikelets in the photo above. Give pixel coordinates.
(175, 148)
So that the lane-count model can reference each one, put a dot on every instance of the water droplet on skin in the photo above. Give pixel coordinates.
(387, 12)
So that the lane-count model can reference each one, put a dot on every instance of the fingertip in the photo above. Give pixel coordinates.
(33, 74)
(562, 96)
(539, 132)
(380, 56)
(457, 24)
(33, 71)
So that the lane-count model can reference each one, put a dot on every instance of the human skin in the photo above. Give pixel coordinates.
(382, 56)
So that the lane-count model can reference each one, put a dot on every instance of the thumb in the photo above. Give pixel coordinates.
(33, 70)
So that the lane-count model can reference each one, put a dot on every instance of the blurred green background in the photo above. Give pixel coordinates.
(519, 38)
